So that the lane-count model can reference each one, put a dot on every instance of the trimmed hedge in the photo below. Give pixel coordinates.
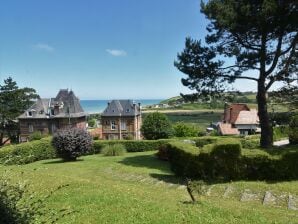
(226, 160)
(27, 152)
(130, 145)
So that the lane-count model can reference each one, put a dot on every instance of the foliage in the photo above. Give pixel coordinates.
(130, 145)
(255, 35)
(92, 122)
(72, 143)
(114, 150)
(156, 126)
(280, 132)
(293, 130)
(13, 102)
(27, 152)
(287, 95)
(182, 129)
(226, 160)
(37, 135)
(17, 208)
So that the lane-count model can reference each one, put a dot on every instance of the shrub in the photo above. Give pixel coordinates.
(156, 126)
(72, 143)
(37, 135)
(200, 142)
(130, 145)
(92, 122)
(293, 130)
(226, 160)
(182, 129)
(27, 152)
(280, 132)
(114, 150)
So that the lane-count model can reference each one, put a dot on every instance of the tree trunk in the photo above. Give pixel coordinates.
(266, 128)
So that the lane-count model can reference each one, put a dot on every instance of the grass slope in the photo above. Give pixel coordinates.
(118, 190)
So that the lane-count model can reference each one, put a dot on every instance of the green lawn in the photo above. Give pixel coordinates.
(138, 188)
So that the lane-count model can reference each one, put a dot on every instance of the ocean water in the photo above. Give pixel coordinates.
(97, 106)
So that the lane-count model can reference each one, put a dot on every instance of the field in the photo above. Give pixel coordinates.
(138, 188)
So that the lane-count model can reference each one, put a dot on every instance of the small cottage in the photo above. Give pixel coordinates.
(122, 120)
(49, 115)
(238, 118)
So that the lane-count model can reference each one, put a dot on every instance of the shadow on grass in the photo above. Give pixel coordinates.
(149, 161)
(62, 161)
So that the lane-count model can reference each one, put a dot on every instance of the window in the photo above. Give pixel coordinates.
(29, 113)
(54, 128)
(123, 125)
(113, 125)
(30, 127)
(127, 110)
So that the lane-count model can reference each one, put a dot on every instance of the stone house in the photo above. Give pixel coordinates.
(49, 115)
(121, 120)
(238, 118)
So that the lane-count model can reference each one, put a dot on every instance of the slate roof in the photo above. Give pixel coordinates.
(122, 108)
(69, 106)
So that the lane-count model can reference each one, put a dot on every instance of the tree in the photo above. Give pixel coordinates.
(13, 102)
(259, 38)
(185, 130)
(156, 126)
(287, 95)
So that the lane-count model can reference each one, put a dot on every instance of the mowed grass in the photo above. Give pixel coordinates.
(112, 190)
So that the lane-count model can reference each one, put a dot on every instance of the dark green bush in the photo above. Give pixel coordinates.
(226, 160)
(182, 129)
(72, 143)
(200, 142)
(280, 132)
(293, 130)
(27, 152)
(156, 126)
(114, 150)
(250, 143)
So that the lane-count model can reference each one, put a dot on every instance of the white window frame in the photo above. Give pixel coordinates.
(113, 125)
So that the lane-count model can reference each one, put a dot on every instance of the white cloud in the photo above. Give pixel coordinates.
(44, 47)
(116, 53)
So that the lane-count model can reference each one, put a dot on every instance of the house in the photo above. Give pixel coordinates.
(49, 115)
(122, 120)
(238, 118)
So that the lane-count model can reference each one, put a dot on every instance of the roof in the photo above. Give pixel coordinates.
(68, 104)
(227, 129)
(122, 108)
(232, 111)
(248, 117)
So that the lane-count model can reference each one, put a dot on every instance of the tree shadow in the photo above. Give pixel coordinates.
(168, 178)
(57, 161)
(149, 161)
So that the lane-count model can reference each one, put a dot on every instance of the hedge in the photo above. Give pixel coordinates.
(130, 145)
(226, 160)
(27, 152)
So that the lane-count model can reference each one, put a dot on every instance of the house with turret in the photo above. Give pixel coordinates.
(122, 120)
(47, 115)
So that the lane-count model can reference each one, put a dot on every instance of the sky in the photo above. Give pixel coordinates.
(101, 49)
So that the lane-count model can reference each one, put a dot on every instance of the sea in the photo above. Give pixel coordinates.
(98, 106)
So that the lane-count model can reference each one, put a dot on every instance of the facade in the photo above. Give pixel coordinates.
(239, 119)
(121, 120)
(49, 115)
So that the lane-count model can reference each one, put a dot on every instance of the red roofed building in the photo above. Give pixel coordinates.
(239, 119)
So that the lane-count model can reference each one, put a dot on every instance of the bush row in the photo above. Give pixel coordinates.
(27, 152)
(130, 145)
(228, 161)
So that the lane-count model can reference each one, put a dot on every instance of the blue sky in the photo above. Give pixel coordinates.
(102, 49)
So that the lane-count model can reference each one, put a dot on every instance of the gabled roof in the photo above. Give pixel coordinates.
(69, 106)
(227, 129)
(122, 108)
(248, 117)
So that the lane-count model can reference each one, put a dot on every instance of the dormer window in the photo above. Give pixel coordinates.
(113, 111)
(127, 110)
(29, 113)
